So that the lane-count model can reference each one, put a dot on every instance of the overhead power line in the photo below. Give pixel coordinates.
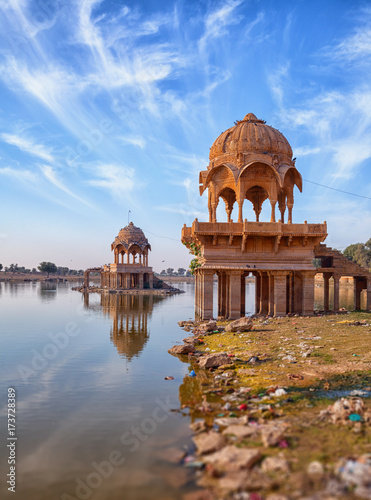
(340, 190)
(158, 236)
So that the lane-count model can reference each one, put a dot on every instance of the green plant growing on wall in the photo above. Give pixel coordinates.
(196, 251)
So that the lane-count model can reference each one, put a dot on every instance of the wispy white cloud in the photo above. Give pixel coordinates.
(355, 47)
(277, 82)
(141, 67)
(336, 123)
(217, 20)
(348, 156)
(118, 181)
(19, 174)
(51, 175)
(54, 87)
(137, 141)
(183, 209)
(306, 150)
(29, 146)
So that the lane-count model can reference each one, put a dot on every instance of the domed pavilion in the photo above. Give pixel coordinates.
(130, 269)
(250, 163)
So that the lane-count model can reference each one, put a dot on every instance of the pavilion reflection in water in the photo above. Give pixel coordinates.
(129, 315)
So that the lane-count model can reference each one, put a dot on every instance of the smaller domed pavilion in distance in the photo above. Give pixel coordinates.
(252, 162)
(130, 269)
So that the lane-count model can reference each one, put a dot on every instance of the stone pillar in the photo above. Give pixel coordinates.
(197, 291)
(326, 291)
(86, 279)
(357, 293)
(213, 211)
(280, 295)
(234, 295)
(264, 294)
(291, 293)
(271, 294)
(141, 281)
(150, 279)
(219, 292)
(257, 293)
(273, 214)
(308, 292)
(336, 292)
(243, 295)
(240, 214)
(368, 297)
(222, 294)
(206, 294)
(297, 293)
(227, 294)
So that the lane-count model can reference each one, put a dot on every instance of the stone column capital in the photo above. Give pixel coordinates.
(235, 272)
(279, 273)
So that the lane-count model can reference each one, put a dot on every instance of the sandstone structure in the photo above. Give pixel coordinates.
(130, 269)
(253, 162)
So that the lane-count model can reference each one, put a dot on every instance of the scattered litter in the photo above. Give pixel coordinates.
(354, 417)
(192, 373)
(279, 392)
(254, 359)
(358, 393)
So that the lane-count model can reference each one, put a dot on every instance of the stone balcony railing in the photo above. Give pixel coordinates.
(130, 268)
(249, 228)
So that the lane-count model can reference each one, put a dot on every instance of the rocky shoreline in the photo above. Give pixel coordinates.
(279, 407)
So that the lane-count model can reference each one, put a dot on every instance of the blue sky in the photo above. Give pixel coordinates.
(111, 106)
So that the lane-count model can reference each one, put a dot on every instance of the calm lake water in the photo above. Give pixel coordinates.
(94, 415)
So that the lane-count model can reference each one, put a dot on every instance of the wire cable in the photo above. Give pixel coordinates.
(340, 190)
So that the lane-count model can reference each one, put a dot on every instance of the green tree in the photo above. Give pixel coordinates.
(169, 271)
(62, 271)
(196, 251)
(359, 253)
(1, 267)
(181, 271)
(47, 267)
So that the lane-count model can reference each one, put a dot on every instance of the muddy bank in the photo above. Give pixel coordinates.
(281, 410)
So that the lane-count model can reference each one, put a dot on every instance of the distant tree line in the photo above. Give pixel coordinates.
(359, 253)
(180, 272)
(43, 267)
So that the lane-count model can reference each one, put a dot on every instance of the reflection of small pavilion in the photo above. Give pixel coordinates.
(129, 314)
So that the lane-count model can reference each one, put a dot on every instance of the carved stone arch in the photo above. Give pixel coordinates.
(257, 195)
(290, 177)
(266, 169)
(219, 178)
(282, 197)
(229, 197)
(265, 176)
(225, 172)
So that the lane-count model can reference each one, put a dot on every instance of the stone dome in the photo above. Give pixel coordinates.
(130, 236)
(251, 135)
